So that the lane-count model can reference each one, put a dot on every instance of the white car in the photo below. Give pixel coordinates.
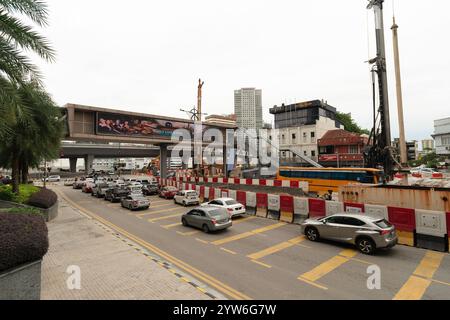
(52, 179)
(233, 207)
(186, 197)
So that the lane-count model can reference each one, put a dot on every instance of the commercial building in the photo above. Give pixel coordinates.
(442, 137)
(221, 119)
(300, 125)
(248, 108)
(340, 148)
(412, 148)
(428, 145)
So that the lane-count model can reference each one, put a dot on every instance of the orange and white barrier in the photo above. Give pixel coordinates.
(301, 209)
(287, 209)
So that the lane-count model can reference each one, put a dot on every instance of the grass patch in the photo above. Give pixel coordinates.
(25, 193)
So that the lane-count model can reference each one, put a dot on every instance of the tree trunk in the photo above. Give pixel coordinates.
(24, 172)
(15, 172)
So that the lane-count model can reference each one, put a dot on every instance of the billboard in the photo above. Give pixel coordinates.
(124, 125)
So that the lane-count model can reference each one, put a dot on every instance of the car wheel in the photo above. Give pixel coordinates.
(205, 228)
(312, 234)
(366, 245)
(184, 222)
(184, 203)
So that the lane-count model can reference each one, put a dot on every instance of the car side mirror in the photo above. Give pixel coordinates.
(324, 221)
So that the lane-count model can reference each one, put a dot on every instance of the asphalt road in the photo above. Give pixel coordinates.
(259, 258)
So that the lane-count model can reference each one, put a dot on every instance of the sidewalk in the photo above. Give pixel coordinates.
(110, 267)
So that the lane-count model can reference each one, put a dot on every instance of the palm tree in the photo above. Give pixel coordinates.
(16, 38)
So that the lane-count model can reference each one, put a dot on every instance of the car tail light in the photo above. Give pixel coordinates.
(135, 203)
(229, 209)
(385, 232)
(214, 221)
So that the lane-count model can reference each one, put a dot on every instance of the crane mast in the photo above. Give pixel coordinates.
(380, 151)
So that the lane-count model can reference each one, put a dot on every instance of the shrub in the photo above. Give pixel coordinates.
(44, 199)
(6, 193)
(23, 239)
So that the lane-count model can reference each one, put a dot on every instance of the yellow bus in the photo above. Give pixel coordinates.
(324, 180)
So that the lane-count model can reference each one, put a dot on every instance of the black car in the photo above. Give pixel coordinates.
(116, 194)
(150, 188)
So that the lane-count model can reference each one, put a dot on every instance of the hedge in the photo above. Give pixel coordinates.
(44, 199)
(25, 192)
(23, 239)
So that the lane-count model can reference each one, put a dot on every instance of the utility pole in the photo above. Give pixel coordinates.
(401, 125)
(380, 153)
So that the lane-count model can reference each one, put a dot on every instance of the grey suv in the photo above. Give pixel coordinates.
(367, 233)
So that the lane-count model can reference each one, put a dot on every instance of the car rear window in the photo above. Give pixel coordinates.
(216, 213)
(191, 193)
(383, 224)
(230, 202)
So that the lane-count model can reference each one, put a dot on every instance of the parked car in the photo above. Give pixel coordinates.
(116, 193)
(78, 184)
(151, 188)
(186, 198)
(233, 207)
(52, 179)
(135, 201)
(88, 185)
(367, 233)
(100, 189)
(168, 192)
(207, 218)
(69, 182)
(6, 180)
(135, 188)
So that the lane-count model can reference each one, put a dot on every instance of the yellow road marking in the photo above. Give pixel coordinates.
(262, 264)
(418, 283)
(206, 278)
(202, 241)
(313, 283)
(248, 234)
(229, 251)
(329, 265)
(243, 220)
(276, 248)
(165, 217)
(156, 212)
(172, 225)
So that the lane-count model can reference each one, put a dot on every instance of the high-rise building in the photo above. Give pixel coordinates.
(248, 108)
(428, 145)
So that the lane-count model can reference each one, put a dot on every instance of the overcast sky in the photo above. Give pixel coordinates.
(147, 56)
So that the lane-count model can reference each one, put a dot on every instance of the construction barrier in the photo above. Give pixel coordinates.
(250, 204)
(317, 208)
(232, 194)
(262, 182)
(202, 194)
(301, 209)
(353, 207)
(447, 216)
(261, 205)
(273, 206)
(376, 211)
(404, 221)
(333, 207)
(431, 230)
(249, 182)
(224, 193)
(241, 197)
(207, 194)
(212, 194)
(286, 183)
(287, 209)
(277, 183)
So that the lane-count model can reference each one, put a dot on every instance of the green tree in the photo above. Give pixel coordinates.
(34, 139)
(16, 38)
(350, 124)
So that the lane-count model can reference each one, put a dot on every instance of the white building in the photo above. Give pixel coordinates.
(299, 127)
(442, 137)
(248, 108)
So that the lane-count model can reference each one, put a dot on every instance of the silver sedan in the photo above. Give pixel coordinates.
(135, 201)
(367, 233)
(207, 218)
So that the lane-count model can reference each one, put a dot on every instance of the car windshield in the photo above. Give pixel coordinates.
(383, 224)
(191, 193)
(216, 213)
(230, 202)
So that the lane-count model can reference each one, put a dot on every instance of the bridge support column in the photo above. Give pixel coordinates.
(73, 164)
(88, 162)
(163, 161)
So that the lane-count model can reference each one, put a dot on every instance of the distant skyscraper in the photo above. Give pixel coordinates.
(248, 108)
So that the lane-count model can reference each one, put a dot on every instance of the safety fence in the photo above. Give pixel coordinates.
(417, 228)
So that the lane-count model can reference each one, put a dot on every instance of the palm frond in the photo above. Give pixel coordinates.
(36, 10)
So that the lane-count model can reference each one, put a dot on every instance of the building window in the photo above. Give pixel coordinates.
(304, 137)
(313, 137)
(305, 153)
(353, 150)
(294, 136)
(313, 153)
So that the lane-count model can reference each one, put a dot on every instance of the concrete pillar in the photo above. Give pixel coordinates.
(163, 161)
(225, 159)
(73, 164)
(88, 162)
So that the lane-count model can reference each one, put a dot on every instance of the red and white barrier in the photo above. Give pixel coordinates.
(250, 203)
(404, 221)
(317, 208)
(287, 208)
(301, 209)
(333, 207)
(431, 230)
(376, 211)
(273, 206)
(261, 205)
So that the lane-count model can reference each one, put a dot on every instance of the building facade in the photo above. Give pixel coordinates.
(442, 138)
(428, 145)
(221, 119)
(300, 125)
(248, 108)
(412, 149)
(340, 148)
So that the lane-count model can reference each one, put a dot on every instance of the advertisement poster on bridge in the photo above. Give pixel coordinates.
(117, 124)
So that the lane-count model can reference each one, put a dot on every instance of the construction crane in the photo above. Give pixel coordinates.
(379, 152)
